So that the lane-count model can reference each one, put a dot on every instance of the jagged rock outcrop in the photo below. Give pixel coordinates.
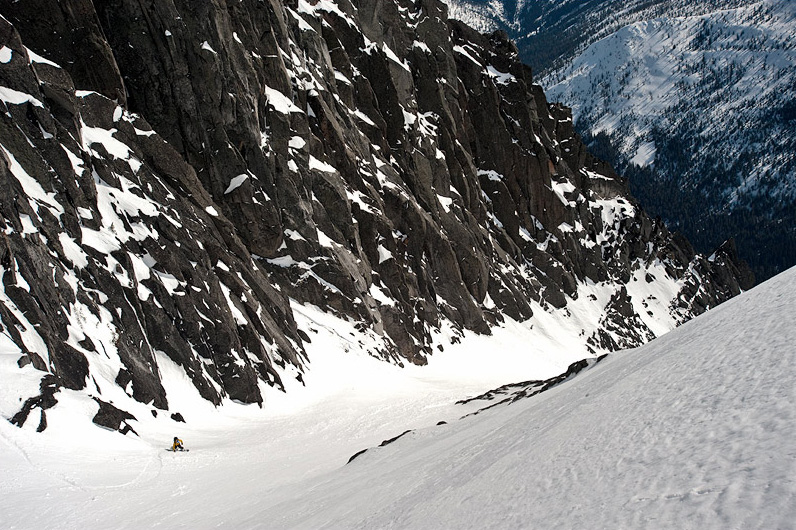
(371, 158)
(107, 229)
(516, 391)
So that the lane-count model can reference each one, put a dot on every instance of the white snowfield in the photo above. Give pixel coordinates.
(693, 430)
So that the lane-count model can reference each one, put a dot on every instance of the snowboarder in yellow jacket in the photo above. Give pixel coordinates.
(177, 445)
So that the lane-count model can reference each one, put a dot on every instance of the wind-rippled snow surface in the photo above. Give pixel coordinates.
(693, 430)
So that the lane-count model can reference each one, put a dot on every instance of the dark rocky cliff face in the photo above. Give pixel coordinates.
(175, 172)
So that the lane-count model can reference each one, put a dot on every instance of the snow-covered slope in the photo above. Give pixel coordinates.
(664, 73)
(477, 17)
(693, 430)
(692, 101)
(700, 107)
(550, 33)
